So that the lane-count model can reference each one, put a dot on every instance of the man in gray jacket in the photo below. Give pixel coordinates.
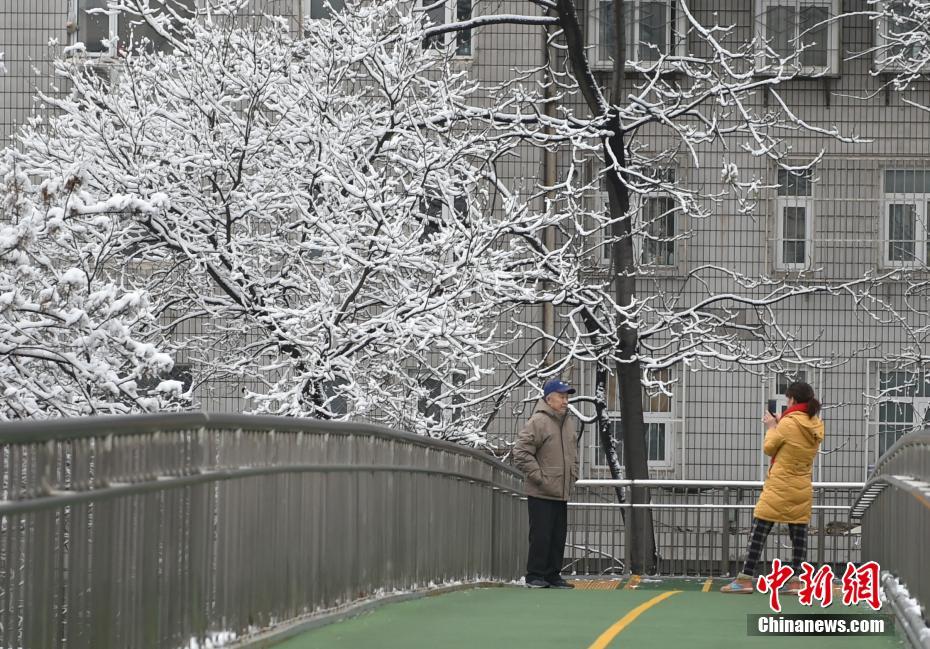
(547, 453)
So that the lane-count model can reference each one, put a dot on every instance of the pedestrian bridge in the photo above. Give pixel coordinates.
(197, 530)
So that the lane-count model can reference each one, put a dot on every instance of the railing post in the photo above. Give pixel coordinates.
(725, 534)
(627, 537)
(821, 535)
(495, 541)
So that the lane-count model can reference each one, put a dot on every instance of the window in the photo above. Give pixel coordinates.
(181, 372)
(95, 28)
(432, 405)
(657, 223)
(325, 8)
(435, 214)
(903, 407)
(443, 12)
(600, 232)
(794, 213)
(658, 234)
(782, 381)
(658, 416)
(904, 220)
(900, 37)
(653, 28)
(800, 33)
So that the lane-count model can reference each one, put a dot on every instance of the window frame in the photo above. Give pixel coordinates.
(677, 28)
(75, 15)
(602, 257)
(782, 202)
(310, 12)
(641, 229)
(670, 419)
(921, 202)
(789, 200)
(919, 403)
(450, 8)
(879, 60)
(832, 68)
(780, 378)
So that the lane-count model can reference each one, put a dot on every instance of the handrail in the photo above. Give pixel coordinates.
(701, 526)
(894, 509)
(918, 489)
(169, 530)
(904, 444)
(705, 483)
(31, 431)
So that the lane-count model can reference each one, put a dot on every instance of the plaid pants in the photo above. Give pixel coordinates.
(760, 532)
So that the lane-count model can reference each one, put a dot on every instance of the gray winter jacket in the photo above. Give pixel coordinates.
(547, 453)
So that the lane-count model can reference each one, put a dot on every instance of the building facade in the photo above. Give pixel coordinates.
(861, 210)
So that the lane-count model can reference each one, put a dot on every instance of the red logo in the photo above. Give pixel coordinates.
(771, 582)
(861, 585)
(817, 585)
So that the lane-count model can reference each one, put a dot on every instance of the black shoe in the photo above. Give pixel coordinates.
(561, 583)
(537, 583)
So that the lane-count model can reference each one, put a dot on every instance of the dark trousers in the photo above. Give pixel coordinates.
(548, 529)
(760, 531)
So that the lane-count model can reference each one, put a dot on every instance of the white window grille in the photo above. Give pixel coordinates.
(801, 34)
(900, 38)
(654, 28)
(660, 416)
(782, 381)
(322, 9)
(794, 213)
(903, 405)
(905, 212)
(657, 227)
(659, 216)
(444, 12)
(107, 33)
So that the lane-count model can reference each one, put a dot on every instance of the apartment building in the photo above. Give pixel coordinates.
(861, 210)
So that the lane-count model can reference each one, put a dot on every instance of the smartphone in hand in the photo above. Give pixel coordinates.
(772, 406)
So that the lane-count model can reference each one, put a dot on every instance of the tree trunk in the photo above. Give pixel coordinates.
(628, 369)
(640, 534)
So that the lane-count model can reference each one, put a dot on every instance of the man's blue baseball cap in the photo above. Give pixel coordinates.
(557, 385)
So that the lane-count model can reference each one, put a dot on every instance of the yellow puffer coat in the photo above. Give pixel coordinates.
(788, 495)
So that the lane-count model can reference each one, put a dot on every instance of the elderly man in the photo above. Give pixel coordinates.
(546, 452)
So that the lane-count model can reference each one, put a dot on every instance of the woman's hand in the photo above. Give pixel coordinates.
(769, 420)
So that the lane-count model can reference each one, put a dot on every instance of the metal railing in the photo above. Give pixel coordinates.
(164, 531)
(701, 527)
(894, 509)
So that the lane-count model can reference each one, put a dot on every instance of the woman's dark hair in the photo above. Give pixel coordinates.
(802, 392)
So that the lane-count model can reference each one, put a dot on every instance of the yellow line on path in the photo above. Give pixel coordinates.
(707, 585)
(608, 635)
(634, 581)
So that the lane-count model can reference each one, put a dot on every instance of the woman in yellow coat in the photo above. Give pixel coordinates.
(787, 497)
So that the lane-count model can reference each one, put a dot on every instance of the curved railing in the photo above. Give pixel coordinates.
(166, 531)
(894, 508)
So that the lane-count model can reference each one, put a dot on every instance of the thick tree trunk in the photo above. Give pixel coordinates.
(629, 371)
(640, 528)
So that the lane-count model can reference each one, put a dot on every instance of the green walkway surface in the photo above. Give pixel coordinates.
(517, 618)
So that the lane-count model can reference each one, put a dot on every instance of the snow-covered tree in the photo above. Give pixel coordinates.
(336, 222)
(73, 336)
(902, 49)
(712, 91)
(328, 213)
